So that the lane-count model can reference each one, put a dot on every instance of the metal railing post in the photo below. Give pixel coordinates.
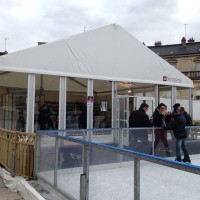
(56, 162)
(120, 140)
(84, 135)
(153, 139)
(37, 155)
(82, 187)
(84, 183)
(136, 179)
(121, 136)
(13, 163)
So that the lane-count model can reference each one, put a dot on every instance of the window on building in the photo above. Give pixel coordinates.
(198, 66)
(197, 97)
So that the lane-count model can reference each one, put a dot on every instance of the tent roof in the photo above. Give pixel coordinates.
(108, 53)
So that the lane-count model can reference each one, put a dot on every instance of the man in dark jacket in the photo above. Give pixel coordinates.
(138, 139)
(177, 124)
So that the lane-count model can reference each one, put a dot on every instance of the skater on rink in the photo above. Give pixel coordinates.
(177, 124)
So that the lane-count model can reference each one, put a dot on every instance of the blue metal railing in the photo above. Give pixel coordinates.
(80, 137)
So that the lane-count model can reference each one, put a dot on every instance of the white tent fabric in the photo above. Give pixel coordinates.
(108, 53)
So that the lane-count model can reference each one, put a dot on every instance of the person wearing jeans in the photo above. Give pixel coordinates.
(177, 124)
(180, 145)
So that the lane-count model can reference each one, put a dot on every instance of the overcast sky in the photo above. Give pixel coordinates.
(26, 22)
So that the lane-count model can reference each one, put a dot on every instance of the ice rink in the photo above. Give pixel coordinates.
(116, 181)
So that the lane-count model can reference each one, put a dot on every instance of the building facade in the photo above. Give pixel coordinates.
(185, 57)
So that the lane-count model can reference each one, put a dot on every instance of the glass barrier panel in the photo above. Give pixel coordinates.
(193, 143)
(157, 141)
(163, 149)
(116, 181)
(104, 136)
(70, 168)
(46, 160)
(111, 174)
(138, 140)
(164, 143)
(108, 171)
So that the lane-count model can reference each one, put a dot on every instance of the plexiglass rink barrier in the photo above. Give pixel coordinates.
(128, 163)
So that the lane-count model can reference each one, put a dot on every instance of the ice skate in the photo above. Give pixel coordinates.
(186, 160)
(178, 159)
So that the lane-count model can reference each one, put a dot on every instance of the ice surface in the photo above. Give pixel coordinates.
(116, 182)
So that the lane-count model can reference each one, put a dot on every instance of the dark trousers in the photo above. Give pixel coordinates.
(161, 135)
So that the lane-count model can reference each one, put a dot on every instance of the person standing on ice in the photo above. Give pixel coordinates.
(160, 134)
(138, 138)
(177, 124)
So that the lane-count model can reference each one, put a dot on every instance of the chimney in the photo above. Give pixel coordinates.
(40, 43)
(158, 43)
(191, 40)
(183, 41)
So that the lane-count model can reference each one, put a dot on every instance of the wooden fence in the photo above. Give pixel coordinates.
(17, 152)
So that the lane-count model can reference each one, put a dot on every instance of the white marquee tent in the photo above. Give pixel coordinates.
(108, 53)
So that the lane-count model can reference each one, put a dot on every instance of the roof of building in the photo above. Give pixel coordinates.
(176, 49)
(107, 53)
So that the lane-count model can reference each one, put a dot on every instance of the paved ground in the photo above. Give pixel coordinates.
(8, 195)
(45, 191)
